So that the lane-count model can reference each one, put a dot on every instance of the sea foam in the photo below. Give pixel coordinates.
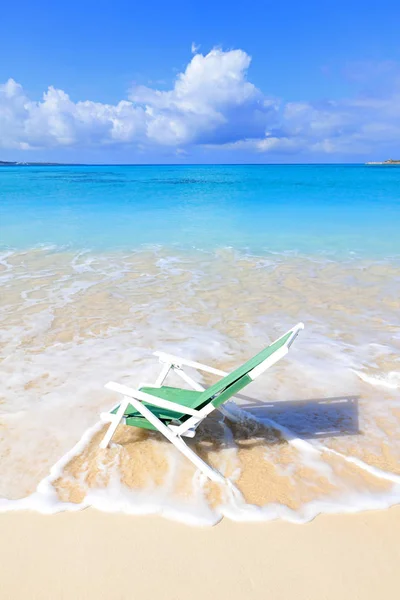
(317, 434)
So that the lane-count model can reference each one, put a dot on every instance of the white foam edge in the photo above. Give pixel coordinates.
(45, 500)
(114, 499)
(317, 448)
(238, 510)
(381, 381)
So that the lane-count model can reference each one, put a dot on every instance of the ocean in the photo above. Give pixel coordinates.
(102, 265)
(331, 210)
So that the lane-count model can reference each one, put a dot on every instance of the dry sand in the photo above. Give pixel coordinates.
(89, 555)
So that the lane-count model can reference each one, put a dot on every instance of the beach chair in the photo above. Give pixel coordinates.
(177, 412)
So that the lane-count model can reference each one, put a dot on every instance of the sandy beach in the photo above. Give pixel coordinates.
(317, 434)
(90, 555)
(199, 301)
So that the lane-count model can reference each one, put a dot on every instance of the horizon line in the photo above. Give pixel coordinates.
(105, 164)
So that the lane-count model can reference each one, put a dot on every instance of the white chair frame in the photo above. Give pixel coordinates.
(175, 432)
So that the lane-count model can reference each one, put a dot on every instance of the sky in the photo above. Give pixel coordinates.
(200, 82)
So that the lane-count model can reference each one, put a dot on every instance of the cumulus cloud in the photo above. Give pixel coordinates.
(368, 122)
(349, 126)
(57, 121)
(211, 103)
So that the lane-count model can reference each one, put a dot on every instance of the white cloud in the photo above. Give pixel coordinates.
(57, 121)
(195, 48)
(211, 103)
(358, 125)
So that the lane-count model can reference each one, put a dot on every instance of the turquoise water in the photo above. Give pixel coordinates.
(306, 208)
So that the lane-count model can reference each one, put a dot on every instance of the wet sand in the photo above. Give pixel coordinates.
(70, 323)
(91, 555)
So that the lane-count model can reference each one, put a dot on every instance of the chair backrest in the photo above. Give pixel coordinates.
(229, 385)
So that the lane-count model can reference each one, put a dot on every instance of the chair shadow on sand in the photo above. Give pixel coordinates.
(315, 418)
(309, 418)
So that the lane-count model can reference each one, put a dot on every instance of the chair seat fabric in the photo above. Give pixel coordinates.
(188, 398)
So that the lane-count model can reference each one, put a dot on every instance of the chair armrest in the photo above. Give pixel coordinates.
(178, 362)
(143, 397)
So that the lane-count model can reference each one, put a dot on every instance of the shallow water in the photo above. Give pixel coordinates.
(335, 210)
(101, 266)
(319, 432)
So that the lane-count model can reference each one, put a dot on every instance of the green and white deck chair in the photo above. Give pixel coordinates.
(177, 412)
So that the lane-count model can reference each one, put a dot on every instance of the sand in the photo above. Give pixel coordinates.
(71, 323)
(92, 555)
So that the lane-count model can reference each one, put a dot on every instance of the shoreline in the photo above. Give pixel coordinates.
(70, 332)
(92, 555)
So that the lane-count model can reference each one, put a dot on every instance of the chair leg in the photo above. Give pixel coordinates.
(229, 414)
(177, 441)
(115, 422)
(162, 376)
(208, 471)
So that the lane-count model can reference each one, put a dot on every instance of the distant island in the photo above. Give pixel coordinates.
(385, 162)
(5, 163)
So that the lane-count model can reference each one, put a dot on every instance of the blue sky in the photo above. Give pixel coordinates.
(200, 81)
